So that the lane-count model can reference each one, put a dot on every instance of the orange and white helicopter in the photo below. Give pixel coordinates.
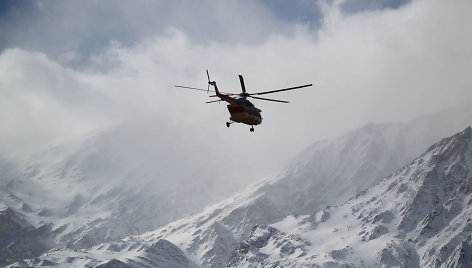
(241, 109)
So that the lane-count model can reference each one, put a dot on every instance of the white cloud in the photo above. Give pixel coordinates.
(42, 101)
(382, 65)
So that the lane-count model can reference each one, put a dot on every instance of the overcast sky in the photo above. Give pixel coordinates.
(68, 68)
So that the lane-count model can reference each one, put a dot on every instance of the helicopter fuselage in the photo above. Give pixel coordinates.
(240, 109)
(243, 111)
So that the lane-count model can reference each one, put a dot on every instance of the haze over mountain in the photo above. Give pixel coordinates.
(80, 195)
(419, 217)
(116, 183)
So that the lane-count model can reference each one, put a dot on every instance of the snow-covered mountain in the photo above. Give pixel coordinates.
(102, 188)
(161, 253)
(327, 173)
(88, 196)
(419, 217)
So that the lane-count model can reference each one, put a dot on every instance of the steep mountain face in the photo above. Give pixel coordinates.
(107, 187)
(212, 237)
(202, 238)
(419, 217)
(93, 193)
(329, 172)
(21, 240)
(326, 173)
(159, 253)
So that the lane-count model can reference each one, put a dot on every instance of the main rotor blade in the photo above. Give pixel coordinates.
(213, 101)
(201, 89)
(227, 94)
(278, 90)
(259, 98)
(241, 80)
(208, 75)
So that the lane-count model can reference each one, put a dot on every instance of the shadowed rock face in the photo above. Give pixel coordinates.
(20, 240)
(261, 236)
(114, 264)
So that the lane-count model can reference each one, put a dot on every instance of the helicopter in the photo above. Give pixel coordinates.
(240, 108)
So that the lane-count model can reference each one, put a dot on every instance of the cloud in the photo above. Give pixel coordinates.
(379, 65)
(355, 6)
(42, 101)
(74, 31)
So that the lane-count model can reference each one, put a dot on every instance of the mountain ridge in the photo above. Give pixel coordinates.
(352, 162)
(427, 224)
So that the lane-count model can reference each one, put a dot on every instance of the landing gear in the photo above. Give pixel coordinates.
(251, 129)
(228, 124)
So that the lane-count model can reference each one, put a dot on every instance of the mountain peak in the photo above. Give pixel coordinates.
(418, 217)
(468, 131)
(457, 143)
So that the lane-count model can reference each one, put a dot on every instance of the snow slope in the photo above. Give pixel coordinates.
(419, 217)
(212, 238)
(117, 183)
(94, 193)
(327, 173)
(161, 253)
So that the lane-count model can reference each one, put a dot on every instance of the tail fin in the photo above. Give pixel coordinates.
(212, 83)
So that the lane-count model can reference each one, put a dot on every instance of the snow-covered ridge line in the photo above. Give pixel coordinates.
(419, 217)
(387, 218)
(92, 221)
